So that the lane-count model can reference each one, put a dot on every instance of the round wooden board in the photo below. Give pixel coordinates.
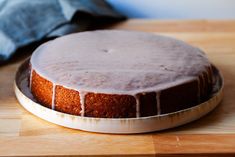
(114, 125)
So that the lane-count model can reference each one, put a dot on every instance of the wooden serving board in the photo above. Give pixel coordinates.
(23, 134)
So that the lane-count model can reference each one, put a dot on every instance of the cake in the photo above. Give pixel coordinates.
(119, 74)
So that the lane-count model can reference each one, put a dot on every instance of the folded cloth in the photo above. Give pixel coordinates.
(23, 22)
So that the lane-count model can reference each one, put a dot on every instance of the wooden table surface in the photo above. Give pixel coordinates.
(23, 134)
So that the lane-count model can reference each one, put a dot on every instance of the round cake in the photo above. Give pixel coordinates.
(119, 74)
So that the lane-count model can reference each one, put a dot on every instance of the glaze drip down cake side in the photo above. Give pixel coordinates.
(119, 74)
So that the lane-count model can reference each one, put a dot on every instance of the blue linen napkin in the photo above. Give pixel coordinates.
(23, 22)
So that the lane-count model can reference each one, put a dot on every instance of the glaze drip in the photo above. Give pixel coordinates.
(82, 95)
(158, 102)
(137, 99)
(199, 89)
(210, 73)
(30, 78)
(53, 96)
(203, 83)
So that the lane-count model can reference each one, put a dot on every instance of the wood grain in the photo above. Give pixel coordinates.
(23, 134)
(176, 25)
(189, 144)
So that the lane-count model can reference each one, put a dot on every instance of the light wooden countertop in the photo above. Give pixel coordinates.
(23, 134)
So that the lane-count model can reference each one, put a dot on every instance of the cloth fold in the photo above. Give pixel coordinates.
(23, 22)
